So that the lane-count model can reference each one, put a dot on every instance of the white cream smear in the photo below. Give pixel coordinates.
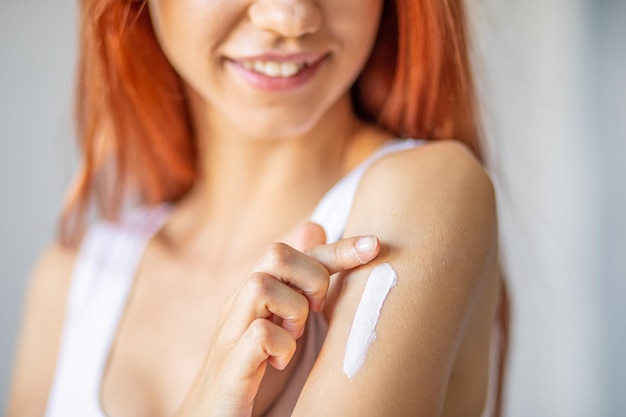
(363, 330)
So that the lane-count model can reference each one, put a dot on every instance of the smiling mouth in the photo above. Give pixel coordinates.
(278, 72)
(275, 69)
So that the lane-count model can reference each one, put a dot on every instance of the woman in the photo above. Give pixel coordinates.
(230, 124)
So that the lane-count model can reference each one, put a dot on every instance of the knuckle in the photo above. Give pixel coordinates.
(260, 331)
(339, 251)
(279, 255)
(258, 285)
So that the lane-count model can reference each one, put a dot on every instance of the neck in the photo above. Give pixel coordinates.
(258, 188)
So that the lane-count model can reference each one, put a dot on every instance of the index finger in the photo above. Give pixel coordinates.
(346, 253)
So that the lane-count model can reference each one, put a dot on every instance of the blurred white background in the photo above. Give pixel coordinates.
(553, 79)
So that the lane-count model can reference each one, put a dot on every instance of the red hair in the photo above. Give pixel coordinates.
(418, 82)
(133, 124)
(134, 127)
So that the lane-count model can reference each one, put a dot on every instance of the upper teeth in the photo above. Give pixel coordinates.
(273, 68)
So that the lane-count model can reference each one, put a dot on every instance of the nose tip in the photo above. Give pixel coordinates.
(289, 18)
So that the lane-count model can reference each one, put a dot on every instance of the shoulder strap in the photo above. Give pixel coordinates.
(102, 278)
(334, 208)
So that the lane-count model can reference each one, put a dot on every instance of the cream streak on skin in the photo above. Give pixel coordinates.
(363, 330)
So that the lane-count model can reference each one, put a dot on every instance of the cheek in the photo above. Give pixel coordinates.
(167, 18)
(355, 24)
(173, 30)
(188, 32)
(354, 21)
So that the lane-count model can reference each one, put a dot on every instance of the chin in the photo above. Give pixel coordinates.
(264, 125)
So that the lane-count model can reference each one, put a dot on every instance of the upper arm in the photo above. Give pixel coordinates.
(40, 333)
(433, 210)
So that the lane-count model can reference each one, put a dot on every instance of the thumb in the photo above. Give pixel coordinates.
(306, 236)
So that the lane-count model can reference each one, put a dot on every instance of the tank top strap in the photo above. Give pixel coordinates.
(334, 208)
(103, 275)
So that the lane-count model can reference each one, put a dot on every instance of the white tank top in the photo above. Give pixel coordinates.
(103, 274)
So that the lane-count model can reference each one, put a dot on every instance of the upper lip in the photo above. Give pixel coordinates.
(308, 58)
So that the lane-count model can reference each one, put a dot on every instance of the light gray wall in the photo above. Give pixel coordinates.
(607, 105)
(555, 91)
(37, 39)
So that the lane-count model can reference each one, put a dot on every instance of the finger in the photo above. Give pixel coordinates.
(346, 253)
(262, 296)
(310, 271)
(297, 270)
(262, 340)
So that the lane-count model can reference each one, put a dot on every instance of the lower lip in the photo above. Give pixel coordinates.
(276, 84)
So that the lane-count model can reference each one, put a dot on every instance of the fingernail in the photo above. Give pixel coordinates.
(366, 244)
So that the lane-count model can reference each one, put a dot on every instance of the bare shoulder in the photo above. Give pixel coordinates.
(49, 282)
(52, 272)
(434, 204)
(40, 333)
(433, 210)
(442, 177)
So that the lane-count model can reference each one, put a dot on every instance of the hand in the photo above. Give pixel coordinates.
(263, 319)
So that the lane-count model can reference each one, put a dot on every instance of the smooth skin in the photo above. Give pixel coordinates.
(201, 325)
